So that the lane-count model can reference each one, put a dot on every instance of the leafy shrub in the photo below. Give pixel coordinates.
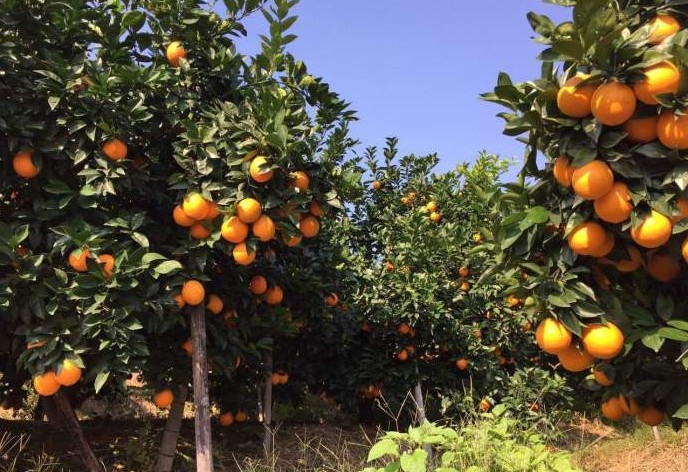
(495, 443)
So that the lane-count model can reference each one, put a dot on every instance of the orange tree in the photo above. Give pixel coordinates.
(410, 313)
(599, 229)
(150, 167)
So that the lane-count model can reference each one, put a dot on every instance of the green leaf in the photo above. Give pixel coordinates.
(168, 267)
(538, 215)
(415, 462)
(384, 447)
(100, 380)
(681, 413)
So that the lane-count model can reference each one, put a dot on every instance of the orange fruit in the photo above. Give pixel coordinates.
(193, 292)
(300, 180)
(615, 206)
(435, 217)
(633, 263)
(403, 328)
(332, 299)
(240, 416)
(179, 301)
(316, 210)
(234, 230)
(462, 364)
(642, 130)
(215, 304)
(601, 378)
(403, 355)
(593, 180)
(431, 207)
(226, 419)
(108, 263)
(175, 52)
(115, 149)
(195, 206)
(258, 285)
(588, 238)
(612, 409)
(465, 287)
(650, 415)
(78, 258)
(181, 218)
(600, 277)
(199, 231)
(672, 130)
(575, 101)
(603, 341)
(663, 26)
(243, 255)
(662, 78)
(213, 211)
(684, 249)
(682, 208)
(283, 377)
(624, 404)
(464, 272)
(552, 336)
(613, 103)
(163, 399)
(485, 405)
(187, 346)
(274, 295)
(46, 384)
(377, 185)
(259, 170)
(264, 228)
(663, 267)
(563, 171)
(248, 210)
(309, 226)
(68, 374)
(293, 241)
(574, 359)
(23, 165)
(275, 378)
(654, 231)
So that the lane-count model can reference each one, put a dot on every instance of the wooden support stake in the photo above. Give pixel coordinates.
(170, 437)
(204, 444)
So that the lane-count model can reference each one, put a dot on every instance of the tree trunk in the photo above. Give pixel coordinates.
(204, 446)
(170, 437)
(420, 403)
(70, 423)
(268, 439)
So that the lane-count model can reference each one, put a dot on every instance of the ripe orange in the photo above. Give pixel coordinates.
(260, 171)
(227, 419)
(115, 149)
(633, 263)
(682, 208)
(332, 299)
(193, 292)
(600, 277)
(179, 301)
(199, 231)
(612, 409)
(181, 218)
(309, 226)
(46, 384)
(601, 378)
(240, 416)
(624, 404)
(274, 295)
(175, 52)
(403, 355)
(68, 374)
(243, 255)
(258, 285)
(283, 377)
(654, 231)
(588, 238)
(574, 359)
(108, 263)
(23, 165)
(563, 171)
(195, 206)
(234, 230)
(78, 258)
(316, 210)
(464, 271)
(575, 101)
(264, 228)
(300, 180)
(603, 341)
(248, 210)
(431, 207)
(435, 217)
(642, 130)
(659, 79)
(213, 211)
(672, 130)
(465, 287)
(215, 304)
(275, 378)
(650, 415)
(163, 399)
(485, 405)
(662, 27)
(403, 328)
(462, 364)
(292, 241)
(377, 185)
(663, 267)
(187, 346)
(552, 336)
(613, 103)
(593, 180)
(615, 206)
(684, 249)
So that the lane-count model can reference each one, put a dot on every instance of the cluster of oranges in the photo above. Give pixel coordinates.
(279, 378)
(370, 392)
(78, 260)
(464, 273)
(434, 210)
(49, 382)
(404, 329)
(228, 418)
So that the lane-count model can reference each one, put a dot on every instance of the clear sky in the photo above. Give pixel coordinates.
(415, 68)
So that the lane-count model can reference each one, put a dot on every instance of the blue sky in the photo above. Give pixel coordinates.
(415, 69)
